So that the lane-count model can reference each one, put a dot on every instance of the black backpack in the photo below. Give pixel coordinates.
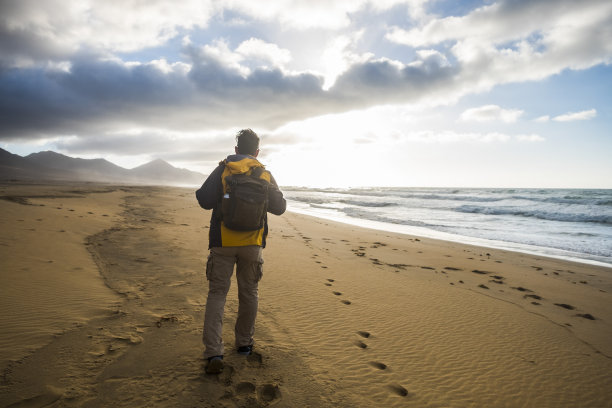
(245, 202)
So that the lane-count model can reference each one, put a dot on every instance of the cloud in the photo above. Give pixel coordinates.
(259, 49)
(491, 113)
(209, 90)
(340, 55)
(542, 119)
(573, 116)
(509, 41)
(91, 96)
(307, 14)
(505, 21)
(383, 80)
(32, 30)
(63, 70)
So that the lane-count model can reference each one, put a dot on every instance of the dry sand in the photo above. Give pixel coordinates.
(103, 293)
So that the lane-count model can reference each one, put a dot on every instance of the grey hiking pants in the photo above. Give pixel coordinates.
(219, 270)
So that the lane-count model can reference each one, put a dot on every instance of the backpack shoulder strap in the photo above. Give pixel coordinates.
(257, 172)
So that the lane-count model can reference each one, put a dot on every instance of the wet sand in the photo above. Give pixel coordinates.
(103, 293)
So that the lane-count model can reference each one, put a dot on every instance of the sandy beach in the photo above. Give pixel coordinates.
(103, 295)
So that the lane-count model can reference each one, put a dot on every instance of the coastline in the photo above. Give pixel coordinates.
(460, 239)
(348, 316)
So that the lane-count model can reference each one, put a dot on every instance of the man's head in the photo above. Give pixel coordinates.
(247, 142)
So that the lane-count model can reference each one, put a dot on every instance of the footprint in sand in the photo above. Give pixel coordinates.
(533, 297)
(268, 393)
(376, 364)
(346, 302)
(361, 344)
(226, 376)
(399, 390)
(376, 261)
(337, 293)
(331, 280)
(565, 306)
(364, 334)
(328, 284)
(245, 388)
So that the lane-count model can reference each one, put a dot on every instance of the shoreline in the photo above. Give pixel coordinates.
(348, 317)
(549, 252)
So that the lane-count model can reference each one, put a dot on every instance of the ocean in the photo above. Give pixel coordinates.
(563, 223)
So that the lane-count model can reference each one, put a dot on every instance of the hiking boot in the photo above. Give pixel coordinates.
(245, 350)
(215, 365)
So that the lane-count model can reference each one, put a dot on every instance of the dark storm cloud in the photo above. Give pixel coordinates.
(25, 35)
(102, 95)
(385, 81)
(23, 44)
(265, 97)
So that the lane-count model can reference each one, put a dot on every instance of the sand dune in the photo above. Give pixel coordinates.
(106, 305)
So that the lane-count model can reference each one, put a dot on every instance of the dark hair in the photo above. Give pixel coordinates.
(247, 142)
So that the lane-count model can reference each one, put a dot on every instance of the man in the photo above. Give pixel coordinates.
(229, 246)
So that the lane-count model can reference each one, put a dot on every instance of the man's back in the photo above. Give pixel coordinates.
(210, 196)
(235, 247)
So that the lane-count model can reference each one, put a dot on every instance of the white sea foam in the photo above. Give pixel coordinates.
(564, 223)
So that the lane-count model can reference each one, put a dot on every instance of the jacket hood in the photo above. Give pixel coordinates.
(241, 163)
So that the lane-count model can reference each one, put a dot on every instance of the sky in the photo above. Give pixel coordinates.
(343, 93)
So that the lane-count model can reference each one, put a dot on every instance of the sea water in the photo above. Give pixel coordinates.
(564, 223)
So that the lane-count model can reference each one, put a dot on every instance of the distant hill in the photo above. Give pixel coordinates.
(13, 166)
(50, 165)
(81, 169)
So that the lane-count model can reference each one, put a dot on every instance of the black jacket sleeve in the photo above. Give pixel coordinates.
(276, 203)
(211, 191)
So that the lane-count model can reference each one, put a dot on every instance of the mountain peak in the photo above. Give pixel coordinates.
(46, 154)
(155, 164)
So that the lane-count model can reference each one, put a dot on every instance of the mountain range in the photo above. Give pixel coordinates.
(49, 165)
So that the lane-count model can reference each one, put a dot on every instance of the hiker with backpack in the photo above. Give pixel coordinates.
(241, 193)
